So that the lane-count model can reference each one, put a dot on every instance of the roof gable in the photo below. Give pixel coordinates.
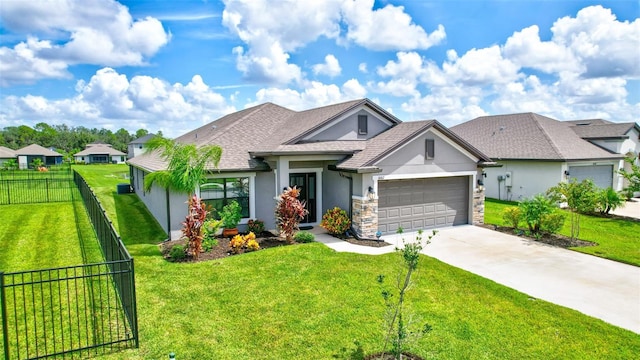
(6, 153)
(605, 131)
(97, 149)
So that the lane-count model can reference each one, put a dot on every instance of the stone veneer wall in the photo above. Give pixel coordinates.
(478, 205)
(365, 217)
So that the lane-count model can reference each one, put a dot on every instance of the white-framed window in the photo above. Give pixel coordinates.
(430, 147)
(363, 124)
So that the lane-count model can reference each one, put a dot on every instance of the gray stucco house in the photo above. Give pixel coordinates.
(27, 154)
(137, 146)
(537, 152)
(100, 153)
(355, 155)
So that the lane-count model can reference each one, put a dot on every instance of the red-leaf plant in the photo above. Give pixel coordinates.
(192, 225)
(289, 212)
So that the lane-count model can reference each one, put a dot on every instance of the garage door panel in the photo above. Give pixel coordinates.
(601, 175)
(422, 203)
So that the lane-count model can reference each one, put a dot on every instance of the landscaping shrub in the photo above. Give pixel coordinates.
(289, 212)
(608, 199)
(177, 253)
(552, 223)
(335, 221)
(304, 237)
(580, 197)
(247, 242)
(256, 226)
(237, 243)
(252, 245)
(512, 216)
(533, 211)
(231, 215)
(209, 243)
(211, 228)
(193, 225)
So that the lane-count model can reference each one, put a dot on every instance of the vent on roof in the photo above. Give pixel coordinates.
(582, 124)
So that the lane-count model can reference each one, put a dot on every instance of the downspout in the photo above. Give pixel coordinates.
(353, 232)
(168, 215)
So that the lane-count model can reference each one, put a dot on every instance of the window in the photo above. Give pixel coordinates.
(430, 149)
(220, 192)
(362, 124)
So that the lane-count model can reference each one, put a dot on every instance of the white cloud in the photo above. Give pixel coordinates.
(110, 100)
(330, 67)
(388, 28)
(314, 94)
(84, 32)
(481, 67)
(362, 67)
(527, 50)
(269, 39)
(352, 89)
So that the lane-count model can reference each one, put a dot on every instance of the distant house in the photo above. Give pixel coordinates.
(537, 152)
(6, 154)
(136, 147)
(27, 154)
(99, 153)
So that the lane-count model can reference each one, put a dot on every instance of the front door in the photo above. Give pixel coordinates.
(306, 182)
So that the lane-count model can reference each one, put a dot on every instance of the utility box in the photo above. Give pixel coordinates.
(124, 188)
(507, 178)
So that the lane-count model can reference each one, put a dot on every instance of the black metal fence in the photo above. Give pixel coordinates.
(30, 186)
(72, 311)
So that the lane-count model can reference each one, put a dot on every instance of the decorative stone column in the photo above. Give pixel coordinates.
(478, 205)
(365, 216)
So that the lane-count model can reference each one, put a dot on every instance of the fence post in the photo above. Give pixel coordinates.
(134, 306)
(3, 310)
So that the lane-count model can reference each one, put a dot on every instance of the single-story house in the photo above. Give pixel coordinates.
(386, 173)
(6, 154)
(99, 153)
(136, 147)
(537, 152)
(27, 154)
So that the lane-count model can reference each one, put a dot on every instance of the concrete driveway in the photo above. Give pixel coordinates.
(601, 288)
(631, 208)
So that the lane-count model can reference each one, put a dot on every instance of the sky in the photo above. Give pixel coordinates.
(173, 66)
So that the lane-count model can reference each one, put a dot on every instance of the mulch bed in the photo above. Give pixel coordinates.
(371, 243)
(222, 250)
(549, 239)
(387, 356)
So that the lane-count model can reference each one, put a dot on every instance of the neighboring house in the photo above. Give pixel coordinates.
(27, 154)
(99, 153)
(136, 147)
(6, 154)
(355, 155)
(538, 152)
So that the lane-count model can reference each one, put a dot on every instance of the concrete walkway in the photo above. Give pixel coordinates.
(630, 208)
(601, 288)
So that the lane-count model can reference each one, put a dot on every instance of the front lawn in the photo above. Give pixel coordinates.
(617, 239)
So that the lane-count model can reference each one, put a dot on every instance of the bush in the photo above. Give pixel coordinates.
(608, 199)
(211, 228)
(193, 225)
(237, 243)
(335, 221)
(247, 242)
(289, 212)
(256, 226)
(209, 243)
(552, 223)
(512, 216)
(177, 252)
(252, 245)
(231, 215)
(533, 210)
(304, 237)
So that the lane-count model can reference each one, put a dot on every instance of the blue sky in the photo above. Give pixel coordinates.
(175, 65)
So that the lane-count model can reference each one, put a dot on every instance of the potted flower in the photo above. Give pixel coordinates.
(230, 216)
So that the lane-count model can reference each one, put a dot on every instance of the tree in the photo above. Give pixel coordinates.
(632, 175)
(141, 132)
(11, 164)
(580, 197)
(186, 170)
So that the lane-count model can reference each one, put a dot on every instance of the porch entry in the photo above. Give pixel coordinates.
(306, 182)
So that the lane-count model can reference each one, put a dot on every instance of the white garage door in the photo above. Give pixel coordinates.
(601, 175)
(422, 203)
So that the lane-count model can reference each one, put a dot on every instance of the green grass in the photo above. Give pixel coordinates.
(617, 239)
(308, 302)
(37, 236)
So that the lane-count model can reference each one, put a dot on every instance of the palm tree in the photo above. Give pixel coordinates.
(187, 166)
(186, 170)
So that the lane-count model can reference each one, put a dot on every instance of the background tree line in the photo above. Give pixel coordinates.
(65, 139)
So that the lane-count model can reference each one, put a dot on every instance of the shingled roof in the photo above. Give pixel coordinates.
(35, 149)
(6, 153)
(529, 136)
(99, 150)
(604, 131)
(269, 129)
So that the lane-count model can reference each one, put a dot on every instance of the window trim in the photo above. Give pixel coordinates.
(429, 149)
(363, 124)
(252, 191)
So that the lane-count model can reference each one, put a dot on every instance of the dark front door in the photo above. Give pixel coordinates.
(306, 182)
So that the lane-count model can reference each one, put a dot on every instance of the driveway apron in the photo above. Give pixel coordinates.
(601, 288)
